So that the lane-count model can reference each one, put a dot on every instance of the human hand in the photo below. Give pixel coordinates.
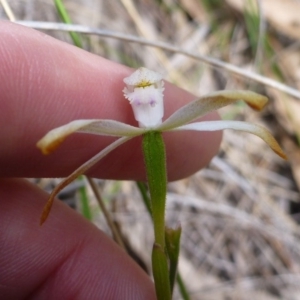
(45, 83)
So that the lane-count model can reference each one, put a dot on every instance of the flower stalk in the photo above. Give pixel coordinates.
(155, 163)
(160, 271)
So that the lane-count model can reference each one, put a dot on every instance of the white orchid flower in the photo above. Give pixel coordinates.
(145, 94)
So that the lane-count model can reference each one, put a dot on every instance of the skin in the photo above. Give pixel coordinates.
(45, 83)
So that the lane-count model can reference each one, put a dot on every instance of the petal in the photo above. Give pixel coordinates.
(148, 116)
(148, 95)
(82, 169)
(113, 128)
(237, 125)
(143, 77)
(209, 103)
(102, 127)
(148, 106)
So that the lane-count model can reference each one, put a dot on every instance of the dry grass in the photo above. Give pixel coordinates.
(239, 215)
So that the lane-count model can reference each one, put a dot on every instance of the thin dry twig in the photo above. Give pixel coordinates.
(168, 47)
(107, 216)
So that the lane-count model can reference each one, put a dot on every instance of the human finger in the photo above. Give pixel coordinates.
(66, 258)
(46, 83)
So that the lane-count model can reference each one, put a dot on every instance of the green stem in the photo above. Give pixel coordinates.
(155, 161)
(85, 207)
(183, 291)
(182, 288)
(160, 273)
